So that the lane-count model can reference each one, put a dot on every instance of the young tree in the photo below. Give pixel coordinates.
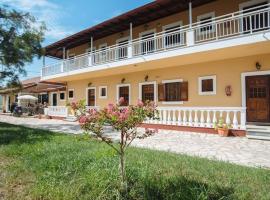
(20, 41)
(125, 120)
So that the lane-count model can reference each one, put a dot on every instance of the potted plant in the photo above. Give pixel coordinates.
(222, 128)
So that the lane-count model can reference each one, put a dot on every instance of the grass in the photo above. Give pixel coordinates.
(38, 164)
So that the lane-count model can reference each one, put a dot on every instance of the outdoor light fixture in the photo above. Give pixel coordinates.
(146, 26)
(89, 84)
(123, 80)
(258, 66)
(121, 34)
(146, 78)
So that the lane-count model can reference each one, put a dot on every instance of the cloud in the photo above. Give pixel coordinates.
(46, 11)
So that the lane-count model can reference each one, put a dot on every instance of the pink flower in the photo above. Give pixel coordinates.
(83, 119)
(140, 103)
(74, 105)
(121, 100)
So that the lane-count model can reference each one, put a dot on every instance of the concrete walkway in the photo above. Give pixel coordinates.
(237, 150)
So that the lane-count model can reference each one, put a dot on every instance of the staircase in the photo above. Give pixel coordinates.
(70, 118)
(259, 132)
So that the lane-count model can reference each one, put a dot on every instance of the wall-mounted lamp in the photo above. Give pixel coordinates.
(146, 26)
(146, 78)
(258, 66)
(228, 90)
(89, 84)
(121, 34)
(123, 80)
(159, 24)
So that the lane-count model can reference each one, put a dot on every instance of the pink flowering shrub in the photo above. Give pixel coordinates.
(123, 119)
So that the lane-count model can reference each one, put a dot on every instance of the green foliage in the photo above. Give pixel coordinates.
(20, 41)
(38, 164)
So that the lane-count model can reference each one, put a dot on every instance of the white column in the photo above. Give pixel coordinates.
(190, 33)
(190, 14)
(90, 63)
(130, 41)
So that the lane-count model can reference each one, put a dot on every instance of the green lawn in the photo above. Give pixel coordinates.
(37, 164)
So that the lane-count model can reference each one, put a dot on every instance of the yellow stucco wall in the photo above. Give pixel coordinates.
(228, 72)
(220, 7)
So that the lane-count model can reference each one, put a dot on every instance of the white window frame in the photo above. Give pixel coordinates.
(68, 93)
(60, 96)
(172, 102)
(148, 83)
(206, 15)
(121, 40)
(86, 94)
(178, 23)
(51, 103)
(102, 46)
(100, 92)
(154, 30)
(88, 50)
(117, 92)
(251, 3)
(200, 79)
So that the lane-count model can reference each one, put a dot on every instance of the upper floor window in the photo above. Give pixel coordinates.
(148, 43)
(173, 36)
(205, 22)
(70, 93)
(62, 96)
(122, 48)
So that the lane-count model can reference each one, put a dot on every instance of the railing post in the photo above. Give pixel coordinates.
(243, 119)
(190, 37)
(90, 59)
(130, 49)
(62, 66)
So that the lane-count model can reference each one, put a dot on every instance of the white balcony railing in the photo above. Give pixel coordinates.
(56, 111)
(236, 24)
(204, 117)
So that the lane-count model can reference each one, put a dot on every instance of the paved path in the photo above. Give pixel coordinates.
(237, 150)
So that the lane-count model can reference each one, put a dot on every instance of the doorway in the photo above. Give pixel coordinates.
(91, 97)
(258, 98)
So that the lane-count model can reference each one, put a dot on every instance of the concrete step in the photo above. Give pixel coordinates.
(71, 118)
(258, 132)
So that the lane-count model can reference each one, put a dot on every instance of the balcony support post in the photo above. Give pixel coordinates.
(190, 14)
(130, 41)
(91, 53)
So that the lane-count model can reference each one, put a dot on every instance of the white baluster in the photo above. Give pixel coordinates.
(228, 120)
(179, 118)
(190, 120)
(202, 118)
(208, 119)
(161, 120)
(164, 116)
(169, 121)
(196, 120)
(214, 117)
(235, 121)
(185, 118)
(243, 118)
(174, 118)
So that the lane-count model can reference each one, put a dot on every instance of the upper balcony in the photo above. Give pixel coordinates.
(236, 28)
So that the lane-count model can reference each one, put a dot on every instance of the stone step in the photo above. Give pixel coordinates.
(258, 133)
(71, 118)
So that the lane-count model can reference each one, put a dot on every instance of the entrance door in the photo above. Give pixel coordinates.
(257, 89)
(54, 99)
(91, 97)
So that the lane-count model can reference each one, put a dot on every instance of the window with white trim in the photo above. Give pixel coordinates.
(173, 91)
(103, 92)
(173, 36)
(123, 91)
(62, 96)
(205, 22)
(207, 85)
(148, 44)
(71, 93)
(147, 91)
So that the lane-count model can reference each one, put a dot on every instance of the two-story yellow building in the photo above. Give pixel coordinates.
(199, 60)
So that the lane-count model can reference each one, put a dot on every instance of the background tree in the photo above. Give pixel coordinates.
(20, 41)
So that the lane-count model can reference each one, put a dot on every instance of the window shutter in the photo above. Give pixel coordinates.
(184, 91)
(161, 92)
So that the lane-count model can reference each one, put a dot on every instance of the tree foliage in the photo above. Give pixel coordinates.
(21, 36)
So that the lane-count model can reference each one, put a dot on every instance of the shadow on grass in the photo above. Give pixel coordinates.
(10, 133)
(155, 187)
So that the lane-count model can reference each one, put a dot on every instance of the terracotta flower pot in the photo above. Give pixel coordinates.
(224, 132)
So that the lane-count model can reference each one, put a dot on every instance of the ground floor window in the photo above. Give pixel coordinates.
(71, 94)
(173, 91)
(103, 92)
(42, 98)
(123, 92)
(91, 96)
(207, 85)
(147, 91)
(62, 96)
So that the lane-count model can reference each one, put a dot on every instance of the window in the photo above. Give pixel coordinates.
(172, 37)
(62, 96)
(207, 85)
(42, 98)
(91, 96)
(103, 92)
(148, 45)
(147, 91)
(258, 21)
(173, 91)
(123, 90)
(71, 58)
(71, 93)
(102, 54)
(122, 47)
(205, 21)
